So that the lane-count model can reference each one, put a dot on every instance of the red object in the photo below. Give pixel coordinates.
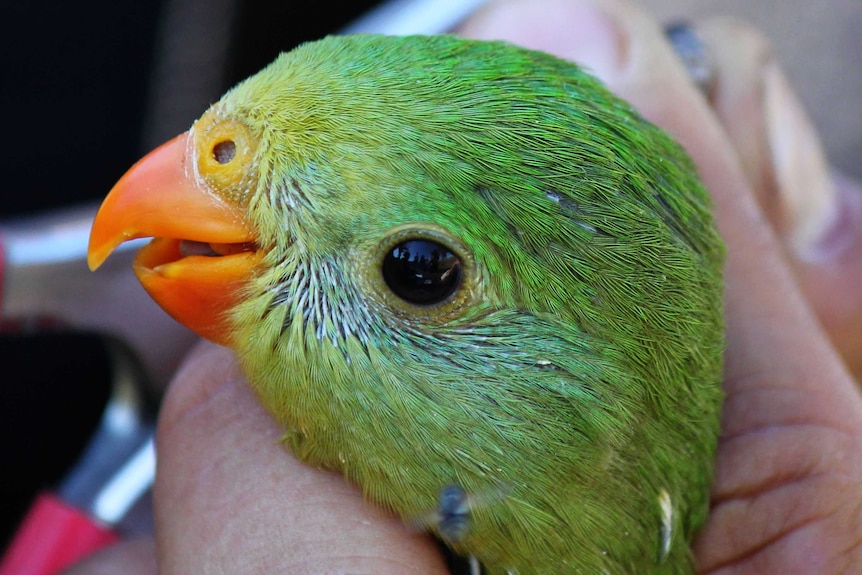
(54, 535)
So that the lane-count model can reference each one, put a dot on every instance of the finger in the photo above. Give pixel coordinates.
(791, 423)
(229, 498)
(817, 214)
(134, 557)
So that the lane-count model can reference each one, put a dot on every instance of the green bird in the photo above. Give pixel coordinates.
(466, 276)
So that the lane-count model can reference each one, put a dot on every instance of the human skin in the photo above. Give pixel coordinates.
(818, 48)
(230, 499)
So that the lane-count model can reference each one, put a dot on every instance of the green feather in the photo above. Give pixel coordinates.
(571, 385)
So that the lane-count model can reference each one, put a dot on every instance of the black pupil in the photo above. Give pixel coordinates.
(224, 152)
(422, 272)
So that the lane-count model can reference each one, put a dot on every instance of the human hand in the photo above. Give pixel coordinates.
(228, 498)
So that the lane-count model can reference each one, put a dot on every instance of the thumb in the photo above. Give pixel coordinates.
(230, 499)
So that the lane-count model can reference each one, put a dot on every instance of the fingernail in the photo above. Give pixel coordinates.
(813, 226)
(845, 231)
(577, 30)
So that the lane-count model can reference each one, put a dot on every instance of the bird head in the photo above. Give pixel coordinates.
(367, 187)
(356, 162)
(448, 262)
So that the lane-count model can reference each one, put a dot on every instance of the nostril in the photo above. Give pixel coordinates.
(224, 151)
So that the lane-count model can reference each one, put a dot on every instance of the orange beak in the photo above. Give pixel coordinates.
(162, 197)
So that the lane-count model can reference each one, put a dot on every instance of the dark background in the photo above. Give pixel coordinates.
(76, 100)
(76, 78)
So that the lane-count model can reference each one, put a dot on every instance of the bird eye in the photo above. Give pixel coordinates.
(422, 272)
(224, 151)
